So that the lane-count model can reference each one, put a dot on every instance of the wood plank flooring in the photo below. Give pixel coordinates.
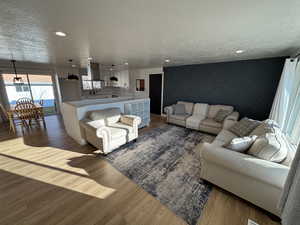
(48, 179)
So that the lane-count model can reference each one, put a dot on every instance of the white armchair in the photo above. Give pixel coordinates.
(108, 129)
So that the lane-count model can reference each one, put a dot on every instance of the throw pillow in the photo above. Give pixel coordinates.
(267, 126)
(244, 127)
(179, 109)
(221, 115)
(241, 144)
(271, 147)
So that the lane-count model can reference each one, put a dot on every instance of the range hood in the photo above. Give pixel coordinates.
(93, 71)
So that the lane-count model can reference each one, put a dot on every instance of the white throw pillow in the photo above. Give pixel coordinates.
(241, 144)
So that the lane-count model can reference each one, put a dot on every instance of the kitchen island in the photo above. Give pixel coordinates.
(74, 111)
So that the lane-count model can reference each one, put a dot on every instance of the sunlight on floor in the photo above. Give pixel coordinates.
(52, 166)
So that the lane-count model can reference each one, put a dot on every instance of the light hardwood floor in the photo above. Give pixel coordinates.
(46, 178)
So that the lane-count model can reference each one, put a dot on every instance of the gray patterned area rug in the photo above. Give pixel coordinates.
(163, 163)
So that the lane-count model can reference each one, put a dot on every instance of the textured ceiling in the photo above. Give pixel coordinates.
(144, 33)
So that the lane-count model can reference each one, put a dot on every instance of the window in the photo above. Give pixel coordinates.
(22, 88)
(88, 84)
(97, 84)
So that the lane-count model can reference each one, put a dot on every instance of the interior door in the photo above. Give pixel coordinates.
(155, 82)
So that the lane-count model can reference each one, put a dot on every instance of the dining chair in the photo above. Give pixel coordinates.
(9, 116)
(24, 100)
(4, 114)
(28, 113)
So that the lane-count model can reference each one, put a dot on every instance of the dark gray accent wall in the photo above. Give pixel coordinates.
(248, 85)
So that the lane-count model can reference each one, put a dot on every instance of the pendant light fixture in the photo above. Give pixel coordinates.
(18, 81)
(113, 77)
(72, 76)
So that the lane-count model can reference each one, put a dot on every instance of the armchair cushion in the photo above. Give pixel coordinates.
(111, 115)
(119, 130)
(130, 120)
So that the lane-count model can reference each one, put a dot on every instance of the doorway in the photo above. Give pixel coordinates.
(38, 88)
(155, 85)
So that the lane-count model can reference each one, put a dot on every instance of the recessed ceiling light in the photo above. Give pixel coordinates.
(90, 58)
(167, 60)
(239, 51)
(61, 34)
(73, 65)
(126, 63)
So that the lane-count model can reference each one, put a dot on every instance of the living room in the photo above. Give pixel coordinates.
(149, 112)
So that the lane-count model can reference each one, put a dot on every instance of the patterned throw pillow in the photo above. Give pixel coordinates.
(179, 109)
(241, 144)
(244, 127)
(271, 146)
(221, 115)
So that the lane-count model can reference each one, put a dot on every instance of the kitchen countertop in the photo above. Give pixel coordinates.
(86, 102)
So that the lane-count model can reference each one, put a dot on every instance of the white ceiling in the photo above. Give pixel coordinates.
(145, 32)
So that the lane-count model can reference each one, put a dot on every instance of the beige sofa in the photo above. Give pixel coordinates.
(255, 180)
(108, 129)
(199, 116)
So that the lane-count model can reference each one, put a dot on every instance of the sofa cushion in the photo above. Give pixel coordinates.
(188, 106)
(179, 109)
(221, 115)
(200, 109)
(213, 110)
(241, 144)
(223, 138)
(193, 122)
(110, 115)
(244, 127)
(211, 123)
(180, 117)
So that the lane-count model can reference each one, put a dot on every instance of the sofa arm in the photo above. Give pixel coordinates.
(130, 120)
(230, 120)
(261, 170)
(169, 110)
(105, 134)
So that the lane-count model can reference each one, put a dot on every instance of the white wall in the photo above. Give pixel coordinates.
(144, 74)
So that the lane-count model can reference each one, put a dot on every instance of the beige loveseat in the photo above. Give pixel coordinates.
(200, 116)
(108, 129)
(256, 180)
